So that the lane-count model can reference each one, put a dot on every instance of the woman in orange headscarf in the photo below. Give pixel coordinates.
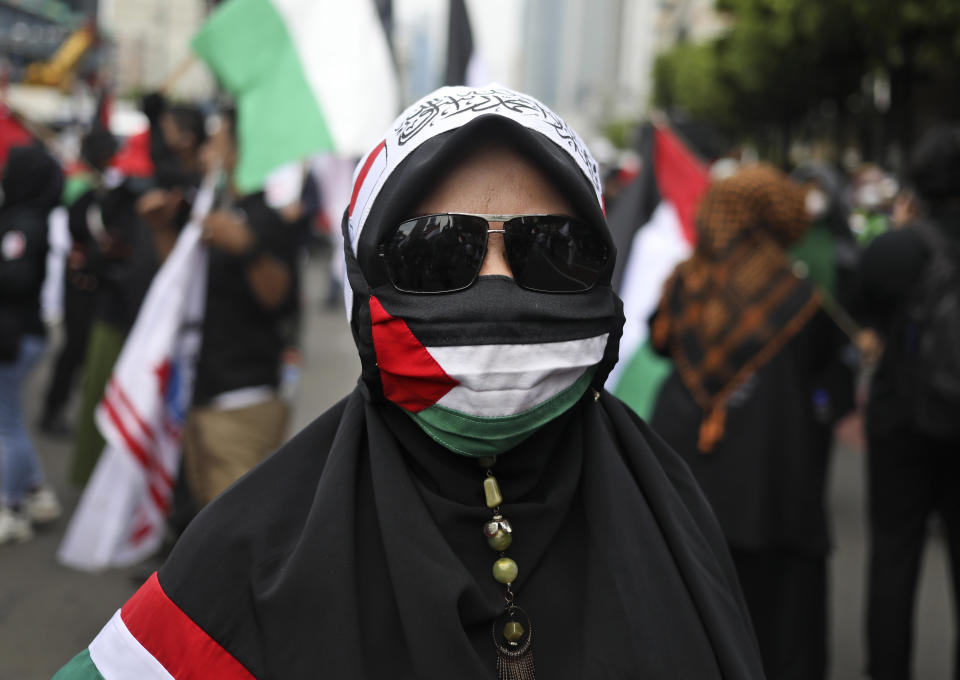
(748, 405)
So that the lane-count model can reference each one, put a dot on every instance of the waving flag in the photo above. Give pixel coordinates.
(121, 514)
(662, 202)
(308, 76)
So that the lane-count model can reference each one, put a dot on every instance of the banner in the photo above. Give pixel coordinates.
(120, 517)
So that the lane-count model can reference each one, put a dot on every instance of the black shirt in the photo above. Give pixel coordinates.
(890, 270)
(242, 340)
(23, 258)
(766, 478)
(126, 268)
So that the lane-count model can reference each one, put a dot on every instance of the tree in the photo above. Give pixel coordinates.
(789, 66)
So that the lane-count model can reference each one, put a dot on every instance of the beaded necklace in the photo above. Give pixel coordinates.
(512, 639)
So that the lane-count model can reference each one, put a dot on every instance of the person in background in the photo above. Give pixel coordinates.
(177, 135)
(828, 254)
(80, 285)
(238, 416)
(129, 229)
(872, 194)
(32, 184)
(909, 294)
(119, 253)
(747, 405)
(828, 248)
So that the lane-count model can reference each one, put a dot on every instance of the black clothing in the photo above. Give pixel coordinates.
(357, 549)
(23, 267)
(32, 182)
(126, 269)
(909, 478)
(786, 594)
(242, 341)
(910, 475)
(32, 179)
(889, 269)
(766, 480)
(78, 307)
(766, 477)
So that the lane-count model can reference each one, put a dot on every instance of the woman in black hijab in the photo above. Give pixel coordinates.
(478, 501)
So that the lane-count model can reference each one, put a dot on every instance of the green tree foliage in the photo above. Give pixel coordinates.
(783, 63)
(689, 78)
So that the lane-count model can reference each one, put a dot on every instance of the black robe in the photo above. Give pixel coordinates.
(356, 551)
(766, 479)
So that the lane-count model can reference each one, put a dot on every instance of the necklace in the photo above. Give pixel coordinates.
(512, 630)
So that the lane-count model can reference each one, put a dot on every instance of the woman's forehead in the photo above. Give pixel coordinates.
(493, 178)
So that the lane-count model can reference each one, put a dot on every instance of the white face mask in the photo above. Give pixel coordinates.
(816, 203)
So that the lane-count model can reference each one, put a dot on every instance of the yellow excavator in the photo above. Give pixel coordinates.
(58, 70)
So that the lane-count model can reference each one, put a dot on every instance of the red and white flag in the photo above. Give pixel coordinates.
(120, 517)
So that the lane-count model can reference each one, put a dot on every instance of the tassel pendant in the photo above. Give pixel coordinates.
(514, 645)
(712, 429)
(512, 630)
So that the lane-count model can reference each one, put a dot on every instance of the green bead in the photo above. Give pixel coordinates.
(513, 631)
(491, 490)
(500, 541)
(505, 570)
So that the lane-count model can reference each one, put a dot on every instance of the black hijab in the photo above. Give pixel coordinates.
(356, 550)
(32, 180)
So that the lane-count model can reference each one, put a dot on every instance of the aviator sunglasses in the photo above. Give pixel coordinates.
(443, 253)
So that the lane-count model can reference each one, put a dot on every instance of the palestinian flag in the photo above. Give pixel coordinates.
(133, 158)
(459, 388)
(662, 202)
(151, 638)
(307, 75)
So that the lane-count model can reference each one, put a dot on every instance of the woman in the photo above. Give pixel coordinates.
(749, 405)
(476, 487)
(32, 183)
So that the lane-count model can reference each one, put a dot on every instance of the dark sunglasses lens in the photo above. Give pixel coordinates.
(436, 253)
(554, 254)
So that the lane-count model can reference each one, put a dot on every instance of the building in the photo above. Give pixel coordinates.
(31, 32)
(150, 42)
(592, 60)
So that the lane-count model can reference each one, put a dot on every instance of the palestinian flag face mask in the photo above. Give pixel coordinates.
(482, 369)
(480, 361)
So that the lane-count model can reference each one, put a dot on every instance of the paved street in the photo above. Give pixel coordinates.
(48, 613)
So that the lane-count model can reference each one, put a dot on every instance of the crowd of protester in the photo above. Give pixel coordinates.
(796, 287)
(124, 219)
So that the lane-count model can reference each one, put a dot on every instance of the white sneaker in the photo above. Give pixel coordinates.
(41, 505)
(14, 526)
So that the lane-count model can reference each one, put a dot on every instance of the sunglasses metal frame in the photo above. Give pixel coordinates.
(489, 218)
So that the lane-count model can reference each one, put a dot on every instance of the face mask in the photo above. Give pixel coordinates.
(482, 369)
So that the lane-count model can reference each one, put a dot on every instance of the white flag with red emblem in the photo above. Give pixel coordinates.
(120, 517)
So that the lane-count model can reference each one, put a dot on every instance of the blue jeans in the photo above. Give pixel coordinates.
(20, 469)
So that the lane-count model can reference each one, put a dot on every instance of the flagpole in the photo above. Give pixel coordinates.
(840, 316)
(181, 70)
